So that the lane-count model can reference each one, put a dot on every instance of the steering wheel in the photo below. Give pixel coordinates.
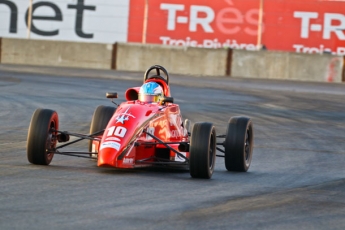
(158, 69)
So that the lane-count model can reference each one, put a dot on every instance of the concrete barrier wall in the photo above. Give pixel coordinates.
(179, 60)
(343, 74)
(56, 53)
(288, 66)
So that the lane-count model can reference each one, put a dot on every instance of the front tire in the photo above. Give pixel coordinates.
(100, 120)
(202, 150)
(42, 139)
(238, 144)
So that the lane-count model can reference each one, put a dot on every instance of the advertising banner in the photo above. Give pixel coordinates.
(308, 26)
(101, 21)
(197, 23)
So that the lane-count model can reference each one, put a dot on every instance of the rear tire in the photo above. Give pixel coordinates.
(41, 139)
(100, 120)
(239, 144)
(202, 150)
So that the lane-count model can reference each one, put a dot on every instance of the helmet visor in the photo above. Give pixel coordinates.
(148, 98)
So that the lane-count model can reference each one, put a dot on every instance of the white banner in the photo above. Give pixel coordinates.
(103, 21)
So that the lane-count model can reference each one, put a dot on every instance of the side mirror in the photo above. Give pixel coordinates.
(111, 95)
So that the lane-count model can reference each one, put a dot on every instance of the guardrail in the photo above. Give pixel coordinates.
(177, 59)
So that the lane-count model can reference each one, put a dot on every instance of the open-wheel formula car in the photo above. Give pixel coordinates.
(145, 130)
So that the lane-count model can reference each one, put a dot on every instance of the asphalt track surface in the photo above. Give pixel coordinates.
(296, 180)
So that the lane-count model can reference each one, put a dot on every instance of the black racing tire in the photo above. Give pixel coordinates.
(238, 144)
(100, 119)
(41, 138)
(202, 150)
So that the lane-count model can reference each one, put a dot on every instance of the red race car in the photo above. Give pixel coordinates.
(146, 130)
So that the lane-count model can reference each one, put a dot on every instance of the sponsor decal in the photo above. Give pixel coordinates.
(180, 159)
(112, 139)
(113, 145)
(173, 119)
(175, 123)
(150, 130)
(174, 133)
(122, 117)
(127, 160)
(113, 135)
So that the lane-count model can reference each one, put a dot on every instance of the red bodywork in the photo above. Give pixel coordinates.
(125, 143)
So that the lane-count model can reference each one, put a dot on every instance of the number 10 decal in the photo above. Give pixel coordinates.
(117, 131)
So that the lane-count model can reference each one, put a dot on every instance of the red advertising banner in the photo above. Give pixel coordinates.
(198, 23)
(308, 26)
